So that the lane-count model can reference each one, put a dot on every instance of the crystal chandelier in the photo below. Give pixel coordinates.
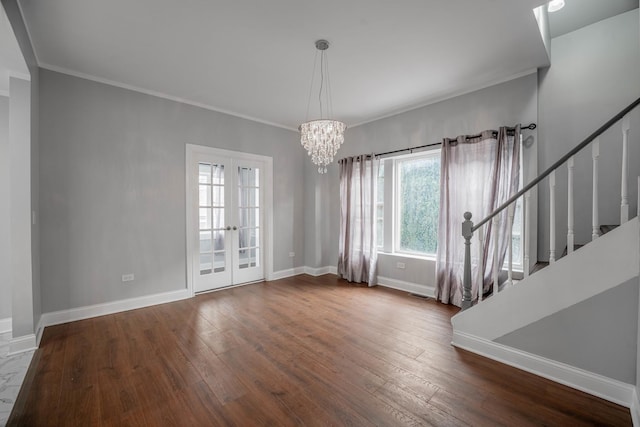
(322, 137)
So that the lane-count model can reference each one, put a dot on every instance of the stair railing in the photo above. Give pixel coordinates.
(468, 227)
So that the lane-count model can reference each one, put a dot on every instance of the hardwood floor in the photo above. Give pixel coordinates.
(297, 351)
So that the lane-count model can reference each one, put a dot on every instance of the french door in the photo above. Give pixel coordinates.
(227, 220)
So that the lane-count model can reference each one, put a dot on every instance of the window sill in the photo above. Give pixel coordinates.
(406, 255)
(516, 269)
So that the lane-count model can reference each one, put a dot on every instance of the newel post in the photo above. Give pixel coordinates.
(467, 233)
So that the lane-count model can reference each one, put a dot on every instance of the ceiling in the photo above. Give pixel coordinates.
(254, 59)
(580, 13)
(11, 60)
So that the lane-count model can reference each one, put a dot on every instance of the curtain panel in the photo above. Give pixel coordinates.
(357, 252)
(478, 174)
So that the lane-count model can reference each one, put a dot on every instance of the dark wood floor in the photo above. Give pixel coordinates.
(297, 351)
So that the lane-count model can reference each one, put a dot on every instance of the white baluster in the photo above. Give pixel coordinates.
(595, 221)
(552, 217)
(624, 190)
(527, 230)
(494, 239)
(480, 262)
(467, 233)
(510, 214)
(570, 234)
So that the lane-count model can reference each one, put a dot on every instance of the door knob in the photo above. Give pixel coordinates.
(228, 227)
(235, 228)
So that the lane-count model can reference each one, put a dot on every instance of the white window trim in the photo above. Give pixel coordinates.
(390, 241)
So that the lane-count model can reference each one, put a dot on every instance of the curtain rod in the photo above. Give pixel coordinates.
(531, 126)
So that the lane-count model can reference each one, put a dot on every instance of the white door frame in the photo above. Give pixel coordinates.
(191, 245)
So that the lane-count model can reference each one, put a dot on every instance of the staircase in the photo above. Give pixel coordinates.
(522, 322)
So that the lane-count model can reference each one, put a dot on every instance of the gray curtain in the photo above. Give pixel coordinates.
(358, 255)
(478, 174)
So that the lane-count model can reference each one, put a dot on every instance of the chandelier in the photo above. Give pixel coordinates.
(322, 137)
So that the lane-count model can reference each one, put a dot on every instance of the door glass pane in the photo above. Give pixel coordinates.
(217, 195)
(204, 195)
(218, 262)
(252, 236)
(218, 218)
(249, 217)
(217, 174)
(204, 173)
(243, 176)
(205, 241)
(249, 237)
(205, 263)
(254, 258)
(242, 238)
(249, 258)
(248, 197)
(252, 199)
(218, 240)
(248, 177)
(205, 218)
(243, 258)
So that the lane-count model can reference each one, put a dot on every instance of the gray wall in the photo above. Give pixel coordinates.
(594, 74)
(598, 335)
(5, 199)
(112, 176)
(503, 104)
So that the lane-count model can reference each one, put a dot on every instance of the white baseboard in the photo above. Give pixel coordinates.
(321, 270)
(22, 344)
(594, 384)
(39, 331)
(290, 272)
(5, 325)
(413, 288)
(80, 313)
(635, 409)
(312, 271)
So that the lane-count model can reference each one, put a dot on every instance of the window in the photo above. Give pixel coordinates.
(417, 201)
(518, 226)
(408, 204)
(380, 207)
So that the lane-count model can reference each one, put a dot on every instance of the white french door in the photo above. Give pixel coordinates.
(227, 219)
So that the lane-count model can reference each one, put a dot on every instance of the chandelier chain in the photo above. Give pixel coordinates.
(313, 74)
(329, 97)
(321, 81)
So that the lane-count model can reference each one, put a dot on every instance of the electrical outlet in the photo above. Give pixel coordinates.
(128, 277)
(292, 254)
(400, 265)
